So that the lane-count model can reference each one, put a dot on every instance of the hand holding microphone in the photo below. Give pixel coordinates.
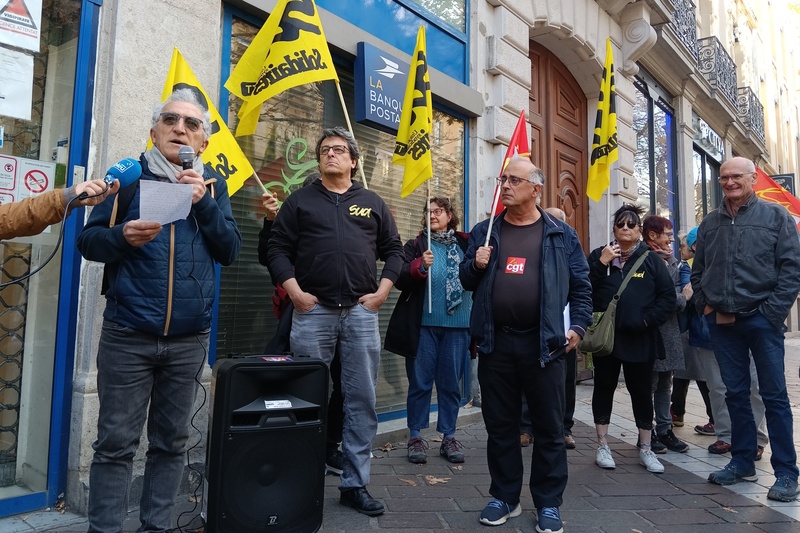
(95, 191)
(189, 175)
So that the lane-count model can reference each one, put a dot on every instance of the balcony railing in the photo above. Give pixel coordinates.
(750, 111)
(717, 67)
(684, 24)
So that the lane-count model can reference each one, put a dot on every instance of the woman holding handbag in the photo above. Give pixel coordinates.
(645, 302)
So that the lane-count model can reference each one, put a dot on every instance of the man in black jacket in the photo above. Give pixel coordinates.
(746, 276)
(325, 243)
(533, 267)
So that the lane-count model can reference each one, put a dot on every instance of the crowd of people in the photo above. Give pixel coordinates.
(517, 292)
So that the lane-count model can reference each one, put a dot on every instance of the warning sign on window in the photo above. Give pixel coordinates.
(21, 178)
(21, 23)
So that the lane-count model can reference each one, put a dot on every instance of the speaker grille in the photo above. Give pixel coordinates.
(272, 479)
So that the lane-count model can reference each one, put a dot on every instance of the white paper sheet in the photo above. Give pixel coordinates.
(16, 84)
(164, 202)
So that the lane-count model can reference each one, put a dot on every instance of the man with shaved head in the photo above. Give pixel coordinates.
(746, 276)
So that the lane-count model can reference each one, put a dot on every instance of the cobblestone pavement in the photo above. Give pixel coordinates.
(442, 496)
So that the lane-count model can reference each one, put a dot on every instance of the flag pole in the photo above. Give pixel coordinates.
(430, 284)
(350, 129)
(491, 219)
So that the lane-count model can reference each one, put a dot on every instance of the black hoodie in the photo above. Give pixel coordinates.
(330, 243)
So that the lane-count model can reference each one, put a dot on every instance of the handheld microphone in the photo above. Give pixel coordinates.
(186, 155)
(126, 171)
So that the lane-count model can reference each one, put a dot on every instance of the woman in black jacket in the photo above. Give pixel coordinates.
(434, 340)
(646, 303)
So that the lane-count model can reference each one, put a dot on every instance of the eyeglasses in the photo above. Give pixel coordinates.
(513, 180)
(338, 149)
(734, 177)
(631, 224)
(170, 119)
(436, 212)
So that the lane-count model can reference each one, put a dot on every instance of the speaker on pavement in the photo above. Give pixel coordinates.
(265, 457)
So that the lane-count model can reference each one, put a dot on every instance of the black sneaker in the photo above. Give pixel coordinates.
(655, 444)
(451, 449)
(333, 462)
(672, 442)
(416, 450)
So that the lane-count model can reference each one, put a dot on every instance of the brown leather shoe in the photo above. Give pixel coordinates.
(525, 439)
(759, 453)
(569, 442)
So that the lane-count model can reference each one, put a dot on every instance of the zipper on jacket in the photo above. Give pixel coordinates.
(339, 243)
(170, 277)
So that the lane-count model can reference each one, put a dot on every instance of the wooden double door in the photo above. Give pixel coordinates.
(559, 137)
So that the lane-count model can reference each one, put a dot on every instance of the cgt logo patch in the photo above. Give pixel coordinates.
(515, 265)
(639, 274)
(356, 211)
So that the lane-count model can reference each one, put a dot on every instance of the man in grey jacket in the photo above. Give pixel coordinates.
(746, 276)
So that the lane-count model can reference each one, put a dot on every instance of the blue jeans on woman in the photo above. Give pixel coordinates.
(733, 344)
(133, 369)
(441, 358)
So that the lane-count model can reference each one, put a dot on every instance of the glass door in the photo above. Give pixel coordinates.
(38, 58)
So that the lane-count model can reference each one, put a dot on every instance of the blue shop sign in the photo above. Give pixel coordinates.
(380, 85)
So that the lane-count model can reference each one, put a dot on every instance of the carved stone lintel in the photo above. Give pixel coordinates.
(638, 36)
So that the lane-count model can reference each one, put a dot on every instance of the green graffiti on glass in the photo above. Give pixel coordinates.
(299, 167)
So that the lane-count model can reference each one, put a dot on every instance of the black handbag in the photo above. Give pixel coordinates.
(599, 338)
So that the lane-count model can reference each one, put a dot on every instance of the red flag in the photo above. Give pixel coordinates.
(517, 146)
(768, 190)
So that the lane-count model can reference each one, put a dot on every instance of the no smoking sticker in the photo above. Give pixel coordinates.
(36, 181)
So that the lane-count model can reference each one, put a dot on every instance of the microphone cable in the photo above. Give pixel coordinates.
(82, 196)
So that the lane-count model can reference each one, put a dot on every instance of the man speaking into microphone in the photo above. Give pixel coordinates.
(155, 336)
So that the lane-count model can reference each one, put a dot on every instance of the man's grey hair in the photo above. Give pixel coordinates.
(352, 145)
(536, 176)
(190, 97)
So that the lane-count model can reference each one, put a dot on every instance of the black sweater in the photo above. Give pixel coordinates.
(330, 243)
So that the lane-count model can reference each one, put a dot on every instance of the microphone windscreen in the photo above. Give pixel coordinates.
(126, 171)
(186, 155)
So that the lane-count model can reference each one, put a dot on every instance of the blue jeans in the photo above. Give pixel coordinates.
(733, 345)
(441, 357)
(316, 334)
(134, 368)
(662, 391)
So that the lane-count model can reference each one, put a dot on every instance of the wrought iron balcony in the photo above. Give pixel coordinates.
(717, 67)
(684, 24)
(750, 112)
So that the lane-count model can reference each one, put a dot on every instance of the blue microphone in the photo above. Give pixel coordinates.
(126, 171)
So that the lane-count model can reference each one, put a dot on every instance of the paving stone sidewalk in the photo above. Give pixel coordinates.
(442, 496)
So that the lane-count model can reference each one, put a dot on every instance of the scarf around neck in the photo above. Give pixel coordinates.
(452, 285)
(161, 167)
(619, 262)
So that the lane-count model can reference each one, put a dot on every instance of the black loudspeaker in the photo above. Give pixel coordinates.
(265, 457)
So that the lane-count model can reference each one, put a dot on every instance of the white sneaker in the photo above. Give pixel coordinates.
(604, 458)
(649, 460)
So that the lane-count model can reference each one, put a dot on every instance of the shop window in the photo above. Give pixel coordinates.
(451, 11)
(282, 152)
(654, 155)
(35, 120)
(706, 186)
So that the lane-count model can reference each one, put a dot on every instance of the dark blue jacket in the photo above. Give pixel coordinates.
(166, 287)
(565, 279)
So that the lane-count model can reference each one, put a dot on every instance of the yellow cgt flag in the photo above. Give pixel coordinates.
(604, 144)
(223, 152)
(412, 148)
(289, 50)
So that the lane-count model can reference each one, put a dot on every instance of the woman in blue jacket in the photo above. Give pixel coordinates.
(434, 340)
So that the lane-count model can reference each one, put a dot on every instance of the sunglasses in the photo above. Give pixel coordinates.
(630, 224)
(170, 119)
